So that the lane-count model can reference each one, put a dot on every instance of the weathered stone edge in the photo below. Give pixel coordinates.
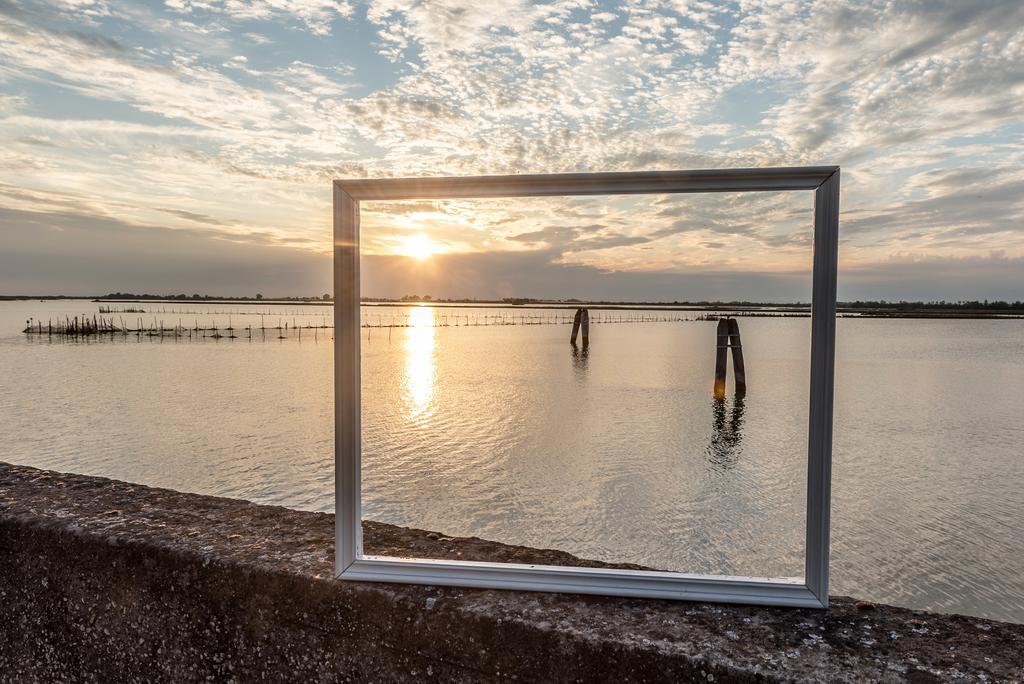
(96, 534)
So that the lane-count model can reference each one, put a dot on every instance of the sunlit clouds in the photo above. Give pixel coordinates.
(228, 120)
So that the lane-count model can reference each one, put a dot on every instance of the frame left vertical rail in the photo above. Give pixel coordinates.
(347, 414)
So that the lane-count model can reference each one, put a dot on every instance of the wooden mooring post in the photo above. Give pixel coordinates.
(581, 323)
(728, 336)
(738, 370)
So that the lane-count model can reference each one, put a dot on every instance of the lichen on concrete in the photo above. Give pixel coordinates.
(108, 581)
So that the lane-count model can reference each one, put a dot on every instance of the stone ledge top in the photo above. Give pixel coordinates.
(851, 641)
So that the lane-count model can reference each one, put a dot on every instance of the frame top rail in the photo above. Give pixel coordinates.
(615, 183)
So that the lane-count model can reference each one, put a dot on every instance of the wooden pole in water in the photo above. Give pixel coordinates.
(575, 326)
(585, 324)
(737, 357)
(720, 358)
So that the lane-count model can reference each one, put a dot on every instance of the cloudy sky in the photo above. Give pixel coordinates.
(189, 145)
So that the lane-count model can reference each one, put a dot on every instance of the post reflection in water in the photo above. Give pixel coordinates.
(579, 359)
(727, 432)
(419, 362)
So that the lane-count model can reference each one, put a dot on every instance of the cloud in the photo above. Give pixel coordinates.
(443, 26)
(569, 239)
(64, 252)
(965, 203)
(315, 15)
(537, 274)
(9, 104)
(103, 68)
(192, 216)
(867, 77)
(929, 278)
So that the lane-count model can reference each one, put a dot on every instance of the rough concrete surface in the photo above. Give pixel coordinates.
(107, 581)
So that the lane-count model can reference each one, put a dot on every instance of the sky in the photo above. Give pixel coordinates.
(189, 145)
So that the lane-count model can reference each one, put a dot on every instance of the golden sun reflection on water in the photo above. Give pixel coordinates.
(419, 362)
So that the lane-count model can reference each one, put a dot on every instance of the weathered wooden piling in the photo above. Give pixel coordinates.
(728, 337)
(721, 358)
(580, 323)
(738, 370)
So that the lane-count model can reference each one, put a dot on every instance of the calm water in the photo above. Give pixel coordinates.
(622, 454)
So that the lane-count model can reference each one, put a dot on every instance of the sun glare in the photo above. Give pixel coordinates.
(418, 247)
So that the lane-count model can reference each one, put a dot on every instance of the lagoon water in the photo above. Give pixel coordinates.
(621, 454)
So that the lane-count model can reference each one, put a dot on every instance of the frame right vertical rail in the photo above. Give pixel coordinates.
(823, 333)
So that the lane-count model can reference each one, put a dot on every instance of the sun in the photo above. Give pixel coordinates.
(418, 247)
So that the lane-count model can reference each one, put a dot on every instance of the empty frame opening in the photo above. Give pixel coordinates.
(481, 420)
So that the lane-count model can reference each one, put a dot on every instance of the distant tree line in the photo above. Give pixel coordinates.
(942, 305)
(880, 305)
(962, 306)
(519, 301)
(198, 297)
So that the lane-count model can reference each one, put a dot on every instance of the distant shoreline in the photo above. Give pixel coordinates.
(878, 309)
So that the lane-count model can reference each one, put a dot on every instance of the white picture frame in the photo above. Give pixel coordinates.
(352, 564)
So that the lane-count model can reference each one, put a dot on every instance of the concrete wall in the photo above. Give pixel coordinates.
(106, 581)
